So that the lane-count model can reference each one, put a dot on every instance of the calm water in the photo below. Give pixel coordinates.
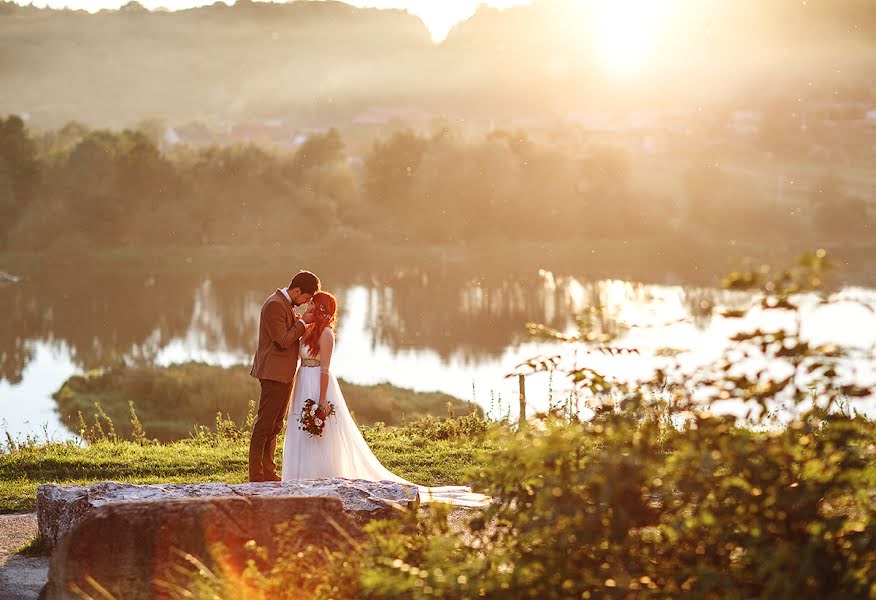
(449, 331)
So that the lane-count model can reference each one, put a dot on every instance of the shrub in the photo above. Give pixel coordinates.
(657, 498)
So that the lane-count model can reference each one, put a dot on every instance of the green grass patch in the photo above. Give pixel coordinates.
(36, 547)
(169, 401)
(429, 452)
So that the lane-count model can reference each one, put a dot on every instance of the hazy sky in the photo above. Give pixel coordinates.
(628, 27)
(438, 15)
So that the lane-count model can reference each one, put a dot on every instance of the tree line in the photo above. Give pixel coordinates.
(77, 189)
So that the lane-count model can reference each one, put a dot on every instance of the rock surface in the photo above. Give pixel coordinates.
(142, 550)
(59, 508)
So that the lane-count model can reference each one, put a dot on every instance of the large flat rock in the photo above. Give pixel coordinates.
(145, 550)
(59, 508)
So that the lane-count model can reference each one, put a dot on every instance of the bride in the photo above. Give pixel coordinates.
(341, 451)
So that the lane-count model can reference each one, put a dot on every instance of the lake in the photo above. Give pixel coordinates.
(441, 329)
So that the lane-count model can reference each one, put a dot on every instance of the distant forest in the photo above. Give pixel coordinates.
(75, 190)
(323, 62)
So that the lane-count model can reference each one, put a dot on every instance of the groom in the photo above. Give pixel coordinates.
(275, 364)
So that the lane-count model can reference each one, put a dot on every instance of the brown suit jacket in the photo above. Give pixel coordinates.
(276, 356)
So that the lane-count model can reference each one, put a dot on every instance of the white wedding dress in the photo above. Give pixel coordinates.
(341, 451)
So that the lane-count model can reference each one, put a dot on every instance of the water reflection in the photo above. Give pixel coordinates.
(472, 319)
(439, 328)
(101, 318)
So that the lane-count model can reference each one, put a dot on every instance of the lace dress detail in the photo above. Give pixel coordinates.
(326, 347)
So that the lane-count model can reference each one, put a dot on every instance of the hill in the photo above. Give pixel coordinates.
(320, 63)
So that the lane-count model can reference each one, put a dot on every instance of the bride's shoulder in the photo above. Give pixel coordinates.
(328, 332)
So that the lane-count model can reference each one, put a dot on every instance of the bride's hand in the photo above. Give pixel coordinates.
(323, 409)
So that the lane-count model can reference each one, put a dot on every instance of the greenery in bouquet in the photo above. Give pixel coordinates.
(311, 418)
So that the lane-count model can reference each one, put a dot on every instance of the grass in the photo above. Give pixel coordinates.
(429, 452)
(36, 547)
(169, 400)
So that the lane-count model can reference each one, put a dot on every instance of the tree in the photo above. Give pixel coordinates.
(19, 172)
(779, 128)
(835, 211)
(390, 167)
(320, 149)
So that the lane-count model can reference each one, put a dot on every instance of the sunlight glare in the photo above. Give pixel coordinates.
(628, 29)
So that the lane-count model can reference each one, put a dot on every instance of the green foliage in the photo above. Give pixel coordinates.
(171, 401)
(625, 506)
(76, 192)
(19, 172)
(724, 205)
(34, 548)
(656, 496)
(317, 151)
(432, 449)
(837, 212)
(390, 169)
(434, 454)
(390, 404)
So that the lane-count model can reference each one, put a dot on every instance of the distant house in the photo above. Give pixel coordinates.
(645, 120)
(299, 136)
(195, 134)
(267, 132)
(593, 121)
(650, 131)
(249, 132)
(382, 115)
(838, 113)
(745, 122)
(169, 139)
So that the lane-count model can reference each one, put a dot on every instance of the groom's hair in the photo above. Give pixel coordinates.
(305, 281)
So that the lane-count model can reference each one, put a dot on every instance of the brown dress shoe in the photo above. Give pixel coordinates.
(272, 477)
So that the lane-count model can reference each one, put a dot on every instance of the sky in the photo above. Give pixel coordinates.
(438, 15)
(628, 27)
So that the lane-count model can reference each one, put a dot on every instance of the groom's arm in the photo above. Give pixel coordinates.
(275, 319)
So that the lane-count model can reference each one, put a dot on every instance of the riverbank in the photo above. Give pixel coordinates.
(168, 402)
(664, 257)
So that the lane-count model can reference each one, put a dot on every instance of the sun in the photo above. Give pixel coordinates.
(628, 30)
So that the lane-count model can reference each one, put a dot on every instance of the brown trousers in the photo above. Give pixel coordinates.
(273, 403)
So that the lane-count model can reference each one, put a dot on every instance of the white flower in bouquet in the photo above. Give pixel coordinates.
(313, 409)
(318, 422)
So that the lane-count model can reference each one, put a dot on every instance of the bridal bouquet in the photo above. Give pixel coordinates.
(310, 421)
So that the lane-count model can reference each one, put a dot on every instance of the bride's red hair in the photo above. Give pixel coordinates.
(325, 308)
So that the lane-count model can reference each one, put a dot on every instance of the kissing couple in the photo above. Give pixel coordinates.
(296, 327)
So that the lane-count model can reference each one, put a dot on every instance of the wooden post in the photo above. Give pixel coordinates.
(521, 420)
